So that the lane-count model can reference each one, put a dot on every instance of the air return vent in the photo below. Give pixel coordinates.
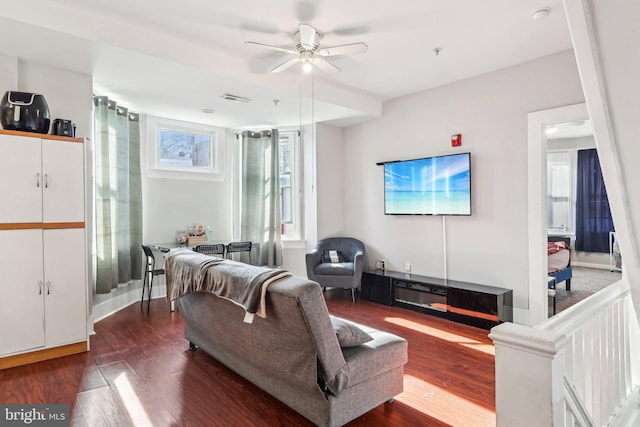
(236, 98)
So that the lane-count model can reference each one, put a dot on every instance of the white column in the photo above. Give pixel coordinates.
(529, 376)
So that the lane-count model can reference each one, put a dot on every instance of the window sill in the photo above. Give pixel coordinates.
(294, 244)
(186, 175)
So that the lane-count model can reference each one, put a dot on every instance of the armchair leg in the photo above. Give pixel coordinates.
(353, 294)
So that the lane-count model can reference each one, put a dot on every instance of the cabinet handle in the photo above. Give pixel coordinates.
(48, 287)
(39, 287)
(46, 180)
(38, 180)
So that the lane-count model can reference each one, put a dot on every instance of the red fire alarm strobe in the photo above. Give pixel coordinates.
(456, 140)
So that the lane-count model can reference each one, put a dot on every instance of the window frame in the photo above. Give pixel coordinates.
(215, 170)
(295, 150)
(571, 226)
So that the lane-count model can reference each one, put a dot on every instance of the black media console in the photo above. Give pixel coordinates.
(477, 305)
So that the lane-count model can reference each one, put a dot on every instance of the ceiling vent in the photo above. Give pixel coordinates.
(236, 98)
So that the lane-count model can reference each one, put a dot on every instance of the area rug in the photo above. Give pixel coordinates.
(584, 283)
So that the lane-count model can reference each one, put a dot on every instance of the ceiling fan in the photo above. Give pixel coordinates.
(308, 51)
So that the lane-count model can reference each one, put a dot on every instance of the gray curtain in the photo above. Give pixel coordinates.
(260, 199)
(118, 195)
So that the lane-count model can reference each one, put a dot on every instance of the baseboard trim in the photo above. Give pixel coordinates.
(590, 265)
(124, 300)
(46, 354)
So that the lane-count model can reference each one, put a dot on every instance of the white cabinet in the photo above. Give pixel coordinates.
(43, 281)
(43, 250)
(41, 180)
(20, 179)
(62, 181)
(64, 286)
(22, 313)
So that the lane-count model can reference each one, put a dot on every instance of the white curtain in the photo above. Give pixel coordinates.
(260, 199)
(118, 195)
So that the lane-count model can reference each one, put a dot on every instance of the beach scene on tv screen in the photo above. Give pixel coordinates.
(431, 186)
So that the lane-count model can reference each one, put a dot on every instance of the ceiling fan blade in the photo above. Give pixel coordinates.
(307, 36)
(268, 46)
(285, 65)
(344, 49)
(325, 65)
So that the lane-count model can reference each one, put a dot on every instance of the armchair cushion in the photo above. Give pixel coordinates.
(334, 269)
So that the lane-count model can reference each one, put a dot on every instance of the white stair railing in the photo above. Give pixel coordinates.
(573, 369)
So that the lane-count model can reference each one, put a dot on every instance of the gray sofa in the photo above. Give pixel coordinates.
(294, 354)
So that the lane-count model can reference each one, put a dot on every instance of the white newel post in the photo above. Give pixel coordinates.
(529, 376)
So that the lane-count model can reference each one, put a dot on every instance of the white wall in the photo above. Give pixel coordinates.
(170, 204)
(331, 184)
(68, 94)
(489, 247)
(8, 73)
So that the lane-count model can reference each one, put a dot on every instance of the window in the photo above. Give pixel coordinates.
(183, 150)
(560, 192)
(290, 184)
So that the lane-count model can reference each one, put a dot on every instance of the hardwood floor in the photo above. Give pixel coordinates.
(139, 373)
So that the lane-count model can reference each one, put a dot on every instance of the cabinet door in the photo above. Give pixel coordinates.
(63, 181)
(22, 302)
(377, 288)
(65, 286)
(20, 185)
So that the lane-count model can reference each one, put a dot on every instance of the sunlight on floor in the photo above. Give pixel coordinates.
(446, 336)
(130, 400)
(443, 405)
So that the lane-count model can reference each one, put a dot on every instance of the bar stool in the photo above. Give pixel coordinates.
(215, 249)
(239, 247)
(150, 270)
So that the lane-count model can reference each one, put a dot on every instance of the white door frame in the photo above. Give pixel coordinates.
(537, 200)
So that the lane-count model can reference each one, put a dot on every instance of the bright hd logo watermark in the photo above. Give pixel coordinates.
(34, 415)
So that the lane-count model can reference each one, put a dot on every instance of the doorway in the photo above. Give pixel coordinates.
(578, 216)
(538, 147)
(537, 202)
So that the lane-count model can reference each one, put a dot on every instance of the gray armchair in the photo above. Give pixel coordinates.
(346, 272)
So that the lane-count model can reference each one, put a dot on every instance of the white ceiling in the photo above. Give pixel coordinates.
(173, 59)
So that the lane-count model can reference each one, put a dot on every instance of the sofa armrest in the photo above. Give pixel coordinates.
(384, 352)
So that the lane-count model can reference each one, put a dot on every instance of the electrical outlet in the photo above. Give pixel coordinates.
(407, 266)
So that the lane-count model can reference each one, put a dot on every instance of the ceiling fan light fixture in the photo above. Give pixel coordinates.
(306, 66)
(307, 48)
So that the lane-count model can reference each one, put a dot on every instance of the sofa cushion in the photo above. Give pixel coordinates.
(334, 269)
(349, 335)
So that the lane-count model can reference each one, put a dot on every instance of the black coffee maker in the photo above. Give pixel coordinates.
(64, 127)
(24, 111)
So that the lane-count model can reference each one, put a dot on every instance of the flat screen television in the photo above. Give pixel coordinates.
(438, 185)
